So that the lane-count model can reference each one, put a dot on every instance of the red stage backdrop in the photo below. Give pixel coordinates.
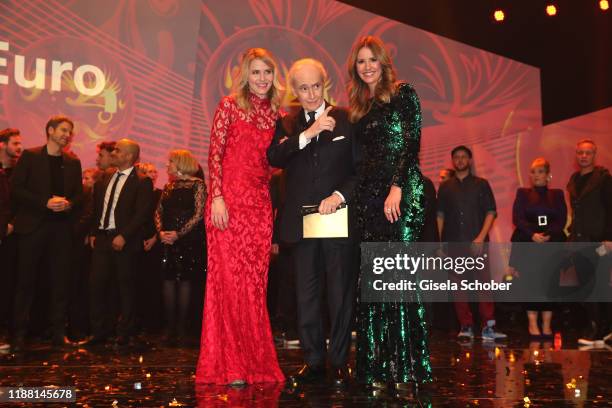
(144, 54)
(154, 71)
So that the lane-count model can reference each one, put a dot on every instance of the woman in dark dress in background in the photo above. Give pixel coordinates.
(539, 215)
(180, 226)
(392, 344)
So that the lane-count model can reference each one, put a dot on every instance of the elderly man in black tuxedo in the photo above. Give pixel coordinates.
(46, 189)
(316, 147)
(122, 205)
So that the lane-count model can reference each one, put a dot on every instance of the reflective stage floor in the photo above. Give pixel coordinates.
(518, 373)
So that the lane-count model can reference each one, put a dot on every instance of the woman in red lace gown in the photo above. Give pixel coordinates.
(237, 345)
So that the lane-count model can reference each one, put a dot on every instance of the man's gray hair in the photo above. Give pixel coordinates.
(303, 62)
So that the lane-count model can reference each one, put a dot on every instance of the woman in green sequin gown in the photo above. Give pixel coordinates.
(392, 340)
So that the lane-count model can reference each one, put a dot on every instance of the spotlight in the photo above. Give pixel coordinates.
(551, 10)
(499, 15)
(604, 5)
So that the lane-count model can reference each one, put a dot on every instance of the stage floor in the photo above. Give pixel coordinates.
(518, 373)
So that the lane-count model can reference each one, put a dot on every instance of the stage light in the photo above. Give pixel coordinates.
(551, 10)
(499, 15)
(604, 5)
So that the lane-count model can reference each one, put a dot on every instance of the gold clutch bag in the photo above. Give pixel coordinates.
(325, 226)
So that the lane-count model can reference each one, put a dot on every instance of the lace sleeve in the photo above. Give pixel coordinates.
(407, 120)
(199, 201)
(157, 217)
(218, 135)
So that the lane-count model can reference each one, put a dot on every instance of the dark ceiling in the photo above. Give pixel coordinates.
(572, 49)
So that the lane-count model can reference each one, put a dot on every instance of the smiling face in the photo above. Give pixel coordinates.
(308, 86)
(123, 155)
(368, 68)
(461, 160)
(261, 76)
(61, 135)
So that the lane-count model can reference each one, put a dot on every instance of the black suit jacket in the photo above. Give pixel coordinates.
(5, 205)
(315, 172)
(132, 210)
(31, 187)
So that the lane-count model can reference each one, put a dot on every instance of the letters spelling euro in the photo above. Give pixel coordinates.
(57, 69)
(412, 264)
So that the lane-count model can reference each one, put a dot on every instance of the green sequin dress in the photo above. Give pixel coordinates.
(392, 341)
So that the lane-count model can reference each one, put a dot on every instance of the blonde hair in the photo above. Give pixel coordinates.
(241, 80)
(185, 162)
(143, 168)
(358, 91)
(541, 162)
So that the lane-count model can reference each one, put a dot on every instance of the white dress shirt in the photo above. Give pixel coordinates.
(126, 173)
(304, 142)
(318, 112)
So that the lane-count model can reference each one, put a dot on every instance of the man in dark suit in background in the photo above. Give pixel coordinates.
(316, 148)
(122, 205)
(10, 151)
(5, 206)
(46, 190)
(590, 193)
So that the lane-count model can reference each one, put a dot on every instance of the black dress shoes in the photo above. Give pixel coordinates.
(308, 374)
(342, 376)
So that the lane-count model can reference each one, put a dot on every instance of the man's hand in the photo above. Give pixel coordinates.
(274, 250)
(324, 122)
(58, 204)
(118, 243)
(392, 204)
(9, 229)
(330, 204)
(148, 243)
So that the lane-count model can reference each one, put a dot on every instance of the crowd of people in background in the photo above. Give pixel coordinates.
(108, 247)
(98, 287)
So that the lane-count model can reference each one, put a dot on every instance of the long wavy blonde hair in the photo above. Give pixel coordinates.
(241, 80)
(358, 91)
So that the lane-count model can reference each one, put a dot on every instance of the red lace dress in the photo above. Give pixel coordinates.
(237, 341)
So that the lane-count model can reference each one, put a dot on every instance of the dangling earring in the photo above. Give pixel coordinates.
(179, 173)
